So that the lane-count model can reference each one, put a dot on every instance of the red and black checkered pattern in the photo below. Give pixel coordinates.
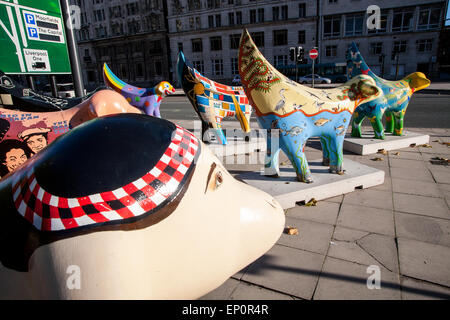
(48, 212)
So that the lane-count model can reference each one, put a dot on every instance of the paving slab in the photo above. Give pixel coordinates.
(427, 206)
(420, 174)
(425, 261)
(367, 219)
(440, 174)
(386, 186)
(343, 280)
(370, 198)
(407, 154)
(245, 291)
(312, 236)
(420, 188)
(223, 292)
(382, 248)
(413, 289)
(292, 271)
(427, 229)
(407, 163)
(368, 145)
(323, 211)
(288, 191)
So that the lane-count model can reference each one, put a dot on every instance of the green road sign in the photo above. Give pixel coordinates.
(32, 37)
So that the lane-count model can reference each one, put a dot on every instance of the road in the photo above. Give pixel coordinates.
(424, 110)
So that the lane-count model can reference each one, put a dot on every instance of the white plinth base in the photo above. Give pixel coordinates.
(288, 191)
(368, 145)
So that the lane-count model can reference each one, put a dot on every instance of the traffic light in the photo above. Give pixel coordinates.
(292, 53)
(301, 54)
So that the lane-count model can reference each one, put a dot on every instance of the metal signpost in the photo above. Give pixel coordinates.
(313, 54)
(33, 40)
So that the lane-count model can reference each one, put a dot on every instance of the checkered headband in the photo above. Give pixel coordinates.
(48, 212)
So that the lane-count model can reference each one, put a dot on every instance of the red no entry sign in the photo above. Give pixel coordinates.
(313, 54)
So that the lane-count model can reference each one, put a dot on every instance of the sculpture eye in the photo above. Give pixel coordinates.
(219, 180)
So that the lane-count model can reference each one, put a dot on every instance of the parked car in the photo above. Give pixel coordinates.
(317, 79)
(236, 81)
(65, 90)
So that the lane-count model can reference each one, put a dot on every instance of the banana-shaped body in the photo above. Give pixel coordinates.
(299, 112)
(148, 100)
(213, 101)
(394, 100)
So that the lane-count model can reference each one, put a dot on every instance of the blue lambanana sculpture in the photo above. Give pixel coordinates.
(393, 102)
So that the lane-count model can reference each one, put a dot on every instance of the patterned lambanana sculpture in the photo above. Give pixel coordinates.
(393, 102)
(299, 112)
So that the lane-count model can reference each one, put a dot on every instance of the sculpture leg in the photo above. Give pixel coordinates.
(336, 154)
(377, 126)
(157, 113)
(398, 123)
(358, 118)
(325, 152)
(389, 122)
(271, 162)
(294, 151)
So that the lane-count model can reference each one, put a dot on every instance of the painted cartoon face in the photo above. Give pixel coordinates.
(166, 88)
(14, 158)
(37, 142)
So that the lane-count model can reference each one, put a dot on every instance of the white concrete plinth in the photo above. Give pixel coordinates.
(288, 191)
(368, 145)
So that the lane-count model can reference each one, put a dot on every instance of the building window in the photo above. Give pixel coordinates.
(332, 1)
(197, 45)
(234, 66)
(158, 68)
(178, 25)
(238, 17)
(234, 41)
(424, 45)
(376, 48)
(383, 24)
(280, 37)
(218, 20)
(429, 18)
(199, 66)
(332, 26)
(194, 5)
(211, 21)
(231, 18)
(275, 13)
(284, 12)
(99, 15)
(216, 43)
(354, 25)
(217, 67)
(258, 38)
(252, 16)
(302, 10)
(261, 15)
(198, 23)
(400, 46)
(301, 36)
(331, 51)
(280, 60)
(403, 20)
(139, 70)
(180, 46)
(132, 8)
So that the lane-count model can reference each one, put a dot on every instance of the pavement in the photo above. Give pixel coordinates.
(400, 229)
